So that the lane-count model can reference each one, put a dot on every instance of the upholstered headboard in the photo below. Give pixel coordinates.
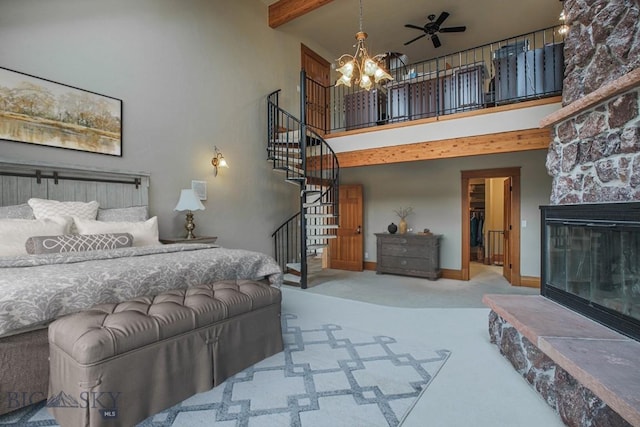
(22, 180)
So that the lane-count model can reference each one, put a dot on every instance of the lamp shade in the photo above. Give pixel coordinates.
(188, 201)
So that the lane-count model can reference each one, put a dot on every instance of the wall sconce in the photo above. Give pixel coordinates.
(189, 202)
(218, 161)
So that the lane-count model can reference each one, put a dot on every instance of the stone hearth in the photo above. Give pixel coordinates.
(585, 371)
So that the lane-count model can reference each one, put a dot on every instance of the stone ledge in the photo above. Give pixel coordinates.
(609, 90)
(605, 362)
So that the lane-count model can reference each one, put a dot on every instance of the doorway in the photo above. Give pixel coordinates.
(491, 236)
(346, 252)
(317, 70)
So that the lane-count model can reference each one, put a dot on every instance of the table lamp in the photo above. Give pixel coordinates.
(189, 202)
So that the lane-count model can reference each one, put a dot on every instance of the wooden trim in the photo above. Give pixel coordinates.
(530, 282)
(451, 274)
(598, 96)
(284, 11)
(446, 272)
(479, 112)
(514, 174)
(305, 50)
(502, 142)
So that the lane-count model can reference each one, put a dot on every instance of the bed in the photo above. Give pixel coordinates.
(37, 288)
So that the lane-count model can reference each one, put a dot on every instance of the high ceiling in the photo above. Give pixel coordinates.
(334, 25)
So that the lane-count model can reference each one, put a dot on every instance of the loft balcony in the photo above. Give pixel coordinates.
(507, 72)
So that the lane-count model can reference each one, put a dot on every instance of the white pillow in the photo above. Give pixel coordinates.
(15, 232)
(43, 208)
(144, 233)
(22, 211)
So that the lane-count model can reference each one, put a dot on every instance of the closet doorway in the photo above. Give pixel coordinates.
(490, 221)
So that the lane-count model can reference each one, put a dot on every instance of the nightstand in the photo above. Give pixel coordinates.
(204, 239)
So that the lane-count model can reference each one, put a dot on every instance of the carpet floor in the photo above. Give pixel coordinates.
(476, 386)
(327, 375)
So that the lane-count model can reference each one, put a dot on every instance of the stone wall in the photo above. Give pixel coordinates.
(576, 404)
(595, 156)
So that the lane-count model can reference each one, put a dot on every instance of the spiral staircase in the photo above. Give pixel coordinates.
(305, 159)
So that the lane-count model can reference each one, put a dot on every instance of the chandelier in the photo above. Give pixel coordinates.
(359, 68)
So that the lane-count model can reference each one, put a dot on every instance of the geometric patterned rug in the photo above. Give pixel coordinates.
(326, 376)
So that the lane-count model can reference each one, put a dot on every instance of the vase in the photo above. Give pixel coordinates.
(392, 228)
(402, 226)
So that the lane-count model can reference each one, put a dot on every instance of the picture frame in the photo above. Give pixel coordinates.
(200, 188)
(38, 111)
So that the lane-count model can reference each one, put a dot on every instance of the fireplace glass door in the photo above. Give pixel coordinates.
(591, 263)
(596, 263)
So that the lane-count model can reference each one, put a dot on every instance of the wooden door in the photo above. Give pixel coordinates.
(508, 227)
(347, 251)
(317, 100)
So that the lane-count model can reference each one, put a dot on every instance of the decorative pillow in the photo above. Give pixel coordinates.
(22, 211)
(144, 233)
(77, 243)
(15, 232)
(43, 208)
(132, 214)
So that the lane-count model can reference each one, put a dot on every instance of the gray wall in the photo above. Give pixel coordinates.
(192, 74)
(433, 189)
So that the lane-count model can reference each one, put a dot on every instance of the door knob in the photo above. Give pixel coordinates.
(359, 230)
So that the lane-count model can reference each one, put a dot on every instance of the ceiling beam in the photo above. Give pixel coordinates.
(495, 143)
(284, 11)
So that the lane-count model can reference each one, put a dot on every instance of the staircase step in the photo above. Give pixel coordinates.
(290, 279)
(291, 147)
(314, 247)
(316, 204)
(321, 237)
(328, 215)
(290, 159)
(322, 226)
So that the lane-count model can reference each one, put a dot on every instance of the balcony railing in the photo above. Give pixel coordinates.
(529, 66)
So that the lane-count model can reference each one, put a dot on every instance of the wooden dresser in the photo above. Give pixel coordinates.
(409, 255)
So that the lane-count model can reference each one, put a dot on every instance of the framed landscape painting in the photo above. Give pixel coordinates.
(38, 111)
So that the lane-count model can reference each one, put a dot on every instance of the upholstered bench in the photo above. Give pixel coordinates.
(117, 364)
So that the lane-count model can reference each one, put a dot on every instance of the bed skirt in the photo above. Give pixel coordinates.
(24, 377)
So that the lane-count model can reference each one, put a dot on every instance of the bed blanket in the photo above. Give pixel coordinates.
(36, 289)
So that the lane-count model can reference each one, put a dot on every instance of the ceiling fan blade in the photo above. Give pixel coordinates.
(419, 37)
(414, 26)
(441, 18)
(436, 41)
(453, 29)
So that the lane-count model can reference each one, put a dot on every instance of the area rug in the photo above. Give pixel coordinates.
(326, 376)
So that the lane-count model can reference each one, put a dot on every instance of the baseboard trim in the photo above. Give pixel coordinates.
(530, 281)
(370, 265)
(451, 274)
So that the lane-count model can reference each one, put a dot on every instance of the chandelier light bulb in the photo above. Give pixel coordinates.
(381, 74)
(365, 82)
(344, 80)
(347, 69)
(370, 67)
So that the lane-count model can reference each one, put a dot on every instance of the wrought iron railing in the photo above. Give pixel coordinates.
(528, 66)
(296, 148)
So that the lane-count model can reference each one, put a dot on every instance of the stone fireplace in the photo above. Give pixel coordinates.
(590, 234)
(594, 156)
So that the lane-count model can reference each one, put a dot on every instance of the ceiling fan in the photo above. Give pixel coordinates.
(432, 27)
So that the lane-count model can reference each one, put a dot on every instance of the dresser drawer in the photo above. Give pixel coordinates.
(398, 262)
(408, 250)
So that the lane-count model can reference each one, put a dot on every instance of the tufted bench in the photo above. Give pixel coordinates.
(117, 364)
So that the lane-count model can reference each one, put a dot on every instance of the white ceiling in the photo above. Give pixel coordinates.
(333, 26)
